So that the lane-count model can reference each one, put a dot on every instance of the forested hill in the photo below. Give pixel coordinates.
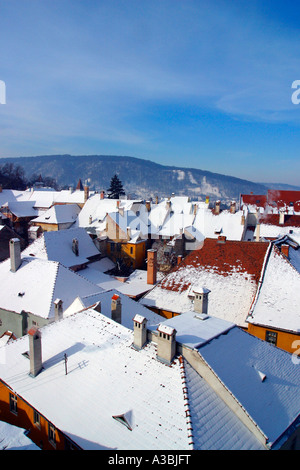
(141, 178)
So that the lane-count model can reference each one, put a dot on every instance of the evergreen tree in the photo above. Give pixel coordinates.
(116, 188)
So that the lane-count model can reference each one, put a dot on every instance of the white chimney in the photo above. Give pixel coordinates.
(15, 254)
(35, 351)
(166, 343)
(201, 299)
(139, 331)
(281, 217)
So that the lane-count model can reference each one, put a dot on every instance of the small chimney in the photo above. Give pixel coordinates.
(139, 331)
(35, 351)
(148, 206)
(166, 343)
(90, 220)
(207, 200)
(179, 259)
(217, 207)
(285, 250)
(221, 239)
(168, 205)
(156, 200)
(102, 195)
(15, 254)
(201, 299)
(116, 308)
(232, 207)
(86, 193)
(151, 266)
(75, 247)
(281, 217)
(128, 233)
(58, 309)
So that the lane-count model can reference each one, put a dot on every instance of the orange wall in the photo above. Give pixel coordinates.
(287, 341)
(134, 253)
(24, 418)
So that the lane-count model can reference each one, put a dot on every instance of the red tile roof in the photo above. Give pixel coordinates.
(222, 258)
(254, 199)
(284, 198)
(273, 219)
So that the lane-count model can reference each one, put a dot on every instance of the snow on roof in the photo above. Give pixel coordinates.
(15, 438)
(37, 283)
(215, 426)
(59, 214)
(231, 272)
(194, 330)
(277, 305)
(129, 308)
(57, 246)
(22, 209)
(243, 357)
(211, 225)
(117, 379)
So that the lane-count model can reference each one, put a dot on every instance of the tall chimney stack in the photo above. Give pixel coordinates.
(166, 343)
(139, 331)
(151, 266)
(201, 299)
(15, 254)
(86, 193)
(35, 351)
(217, 207)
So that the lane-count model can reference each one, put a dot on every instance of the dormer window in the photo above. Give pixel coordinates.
(122, 419)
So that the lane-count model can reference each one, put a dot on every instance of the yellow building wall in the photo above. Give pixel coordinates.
(287, 341)
(47, 227)
(133, 254)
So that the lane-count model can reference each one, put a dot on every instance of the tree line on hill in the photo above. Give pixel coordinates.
(13, 177)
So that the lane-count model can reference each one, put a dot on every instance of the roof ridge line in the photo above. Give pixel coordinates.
(186, 403)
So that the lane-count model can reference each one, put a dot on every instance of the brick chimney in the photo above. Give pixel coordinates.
(102, 195)
(35, 351)
(151, 266)
(139, 331)
(86, 193)
(201, 299)
(179, 259)
(148, 206)
(285, 250)
(58, 309)
(221, 239)
(116, 308)
(166, 343)
(15, 254)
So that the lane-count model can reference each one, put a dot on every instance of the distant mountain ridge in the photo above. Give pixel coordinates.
(141, 178)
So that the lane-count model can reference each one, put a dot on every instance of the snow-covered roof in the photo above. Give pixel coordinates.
(15, 438)
(117, 379)
(59, 214)
(129, 308)
(37, 283)
(149, 396)
(240, 360)
(57, 246)
(231, 272)
(277, 305)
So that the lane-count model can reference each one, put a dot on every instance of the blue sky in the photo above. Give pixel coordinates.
(192, 83)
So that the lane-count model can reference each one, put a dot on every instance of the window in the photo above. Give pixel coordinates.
(13, 403)
(36, 419)
(271, 337)
(52, 434)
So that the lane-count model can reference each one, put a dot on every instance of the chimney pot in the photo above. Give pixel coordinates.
(151, 266)
(166, 343)
(139, 331)
(75, 247)
(285, 250)
(201, 299)
(15, 254)
(35, 351)
(217, 207)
